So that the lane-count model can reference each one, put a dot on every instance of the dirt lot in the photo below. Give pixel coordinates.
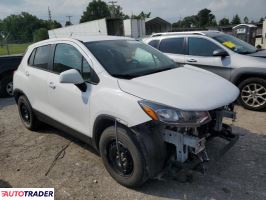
(26, 156)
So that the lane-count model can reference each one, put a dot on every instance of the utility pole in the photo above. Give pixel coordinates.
(49, 14)
(112, 8)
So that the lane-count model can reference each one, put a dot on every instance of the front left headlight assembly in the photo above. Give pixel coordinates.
(174, 116)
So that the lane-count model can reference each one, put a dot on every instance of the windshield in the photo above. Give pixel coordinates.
(235, 44)
(129, 58)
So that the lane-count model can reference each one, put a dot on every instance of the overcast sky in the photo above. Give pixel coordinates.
(171, 10)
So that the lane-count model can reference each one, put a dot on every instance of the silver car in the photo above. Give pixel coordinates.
(223, 54)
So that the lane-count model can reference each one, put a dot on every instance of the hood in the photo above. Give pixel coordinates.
(261, 54)
(186, 88)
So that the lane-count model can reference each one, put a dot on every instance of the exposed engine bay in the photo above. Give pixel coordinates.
(191, 141)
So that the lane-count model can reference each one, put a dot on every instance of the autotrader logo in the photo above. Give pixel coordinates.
(27, 193)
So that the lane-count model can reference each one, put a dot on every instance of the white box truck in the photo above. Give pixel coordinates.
(132, 28)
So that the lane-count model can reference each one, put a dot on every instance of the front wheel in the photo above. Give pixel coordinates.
(123, 156)
(253, 94)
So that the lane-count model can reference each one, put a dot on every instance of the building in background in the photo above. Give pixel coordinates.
(157, 25)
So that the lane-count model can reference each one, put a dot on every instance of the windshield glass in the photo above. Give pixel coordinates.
(129, 58)
(235, 44)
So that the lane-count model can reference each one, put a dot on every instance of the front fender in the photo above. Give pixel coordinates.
(238, 73)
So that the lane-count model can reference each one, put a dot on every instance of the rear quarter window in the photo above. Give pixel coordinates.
(154, 43)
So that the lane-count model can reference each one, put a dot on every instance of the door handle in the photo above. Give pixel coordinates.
(192, 60)
(27, 73)
(52, 85)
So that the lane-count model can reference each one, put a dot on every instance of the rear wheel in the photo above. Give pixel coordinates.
(6, 86)
(253, 94)
(124, 160)
(26, 114)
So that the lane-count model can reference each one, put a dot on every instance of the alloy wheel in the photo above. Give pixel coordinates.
(9, 88)
(254, 95)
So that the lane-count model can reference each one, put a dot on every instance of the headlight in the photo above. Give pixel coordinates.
(174, 116)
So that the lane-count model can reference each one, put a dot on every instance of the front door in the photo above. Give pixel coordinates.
(69, 105)
(200, 54)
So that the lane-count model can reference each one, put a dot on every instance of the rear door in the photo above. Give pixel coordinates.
(36, 74)
(200, 54)
(173, 47)
(69, 105)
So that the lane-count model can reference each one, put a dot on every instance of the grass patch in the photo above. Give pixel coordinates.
(13, 49)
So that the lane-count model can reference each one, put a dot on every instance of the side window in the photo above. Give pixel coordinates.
(172, 45)
(154, 43)
(201, 47)
(41, 57)
(68, 57)
(31, 59)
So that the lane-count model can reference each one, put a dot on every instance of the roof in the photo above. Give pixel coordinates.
(82, 39)
(156, 20)
(249, 25)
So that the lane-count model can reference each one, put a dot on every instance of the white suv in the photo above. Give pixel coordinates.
(131, 102)
(222, 54)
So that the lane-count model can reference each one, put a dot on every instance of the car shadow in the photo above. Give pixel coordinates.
(239, 174)
(6, 102)
(4, 184)
(48, 129)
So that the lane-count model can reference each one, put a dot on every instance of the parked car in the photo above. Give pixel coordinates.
(223, 54)
(8, 64)
(131, 102)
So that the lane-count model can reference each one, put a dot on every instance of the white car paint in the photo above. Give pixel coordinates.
(185, 88)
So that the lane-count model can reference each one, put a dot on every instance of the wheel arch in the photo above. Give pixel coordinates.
(17, 94)
(100, 124)
(244, 73)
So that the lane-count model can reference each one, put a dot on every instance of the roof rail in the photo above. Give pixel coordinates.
(182, 33)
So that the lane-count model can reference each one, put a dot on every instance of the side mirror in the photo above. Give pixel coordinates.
(220, 52)
(74, 77)
(71, 76)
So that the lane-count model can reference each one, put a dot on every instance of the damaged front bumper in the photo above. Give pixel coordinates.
(190, 142)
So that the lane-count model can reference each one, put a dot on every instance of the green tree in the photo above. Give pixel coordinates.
(96, 9)
(206, 18)
(236, 20)
(141, 15)
(50, 24)
(246, 20)
(40, 34)
(262, 19)
(224, 22)
(22, 26)
(116, 11)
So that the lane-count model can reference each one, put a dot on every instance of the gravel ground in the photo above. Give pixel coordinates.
(26, 156)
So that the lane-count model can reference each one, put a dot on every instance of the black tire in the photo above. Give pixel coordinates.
(252, 100)
(5, 84)
(26, 114)
(130, 146)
